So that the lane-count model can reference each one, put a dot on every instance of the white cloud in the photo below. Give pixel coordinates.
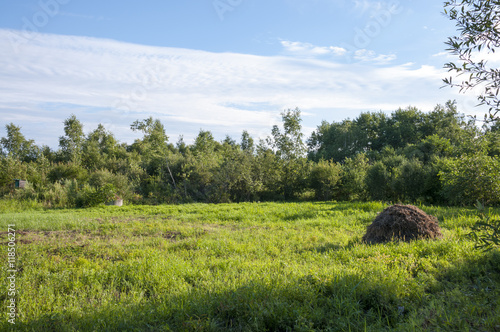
(310, 50)
(45, 78)
(372, 7)
(370, 56)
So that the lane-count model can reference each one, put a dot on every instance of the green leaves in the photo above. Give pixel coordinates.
(478, 23)
(486, 232)
(471, 178)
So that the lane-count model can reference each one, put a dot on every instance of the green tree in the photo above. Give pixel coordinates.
(290, 151)
(410, 183)
(99, 147)
(16, 145)
(268, 171)
(325, 179)
(153, 152)
(72, 141)
(478, 24)
(288, 144)
(354, 171)
(155, 139)
(201, 164)
(234, 179)
(471, 178)
(205, 143)
(378, 180)
(404, 127)
(247, 143)
(336, 141)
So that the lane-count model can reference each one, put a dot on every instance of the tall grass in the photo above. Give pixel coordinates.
(246, 267)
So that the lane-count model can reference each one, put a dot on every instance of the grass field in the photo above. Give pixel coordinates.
(243, 267)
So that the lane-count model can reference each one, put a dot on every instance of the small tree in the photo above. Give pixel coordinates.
(325, 179)
(290, 151)
(478, 22)
(471, 178)
(17, 146)
(72, 141)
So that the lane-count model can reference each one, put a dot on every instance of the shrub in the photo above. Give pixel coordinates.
(93, 196)
(409, 185)
(471, 178)
(378, 180)
(55, 196)
(325, 179)
(353, 181)
(120, 182)
(68, 171)
(486, 232)
(10, 169)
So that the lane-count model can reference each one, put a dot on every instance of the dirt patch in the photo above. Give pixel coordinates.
(402, 223)
(31, 236)
(172, 236)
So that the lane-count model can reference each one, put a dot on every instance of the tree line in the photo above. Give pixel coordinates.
(437, 157)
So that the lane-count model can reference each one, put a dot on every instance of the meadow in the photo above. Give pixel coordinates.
(243, 267)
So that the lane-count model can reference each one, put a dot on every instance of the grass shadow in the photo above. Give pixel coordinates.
(460, 298)
(310, 303)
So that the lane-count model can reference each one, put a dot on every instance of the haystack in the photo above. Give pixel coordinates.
(402, 223)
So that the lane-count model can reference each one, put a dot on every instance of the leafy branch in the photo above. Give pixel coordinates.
(478, 23)
(486, 232)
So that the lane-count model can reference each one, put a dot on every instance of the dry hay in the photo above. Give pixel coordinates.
(402, 223)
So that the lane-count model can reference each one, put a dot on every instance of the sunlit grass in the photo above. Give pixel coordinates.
(246, 267)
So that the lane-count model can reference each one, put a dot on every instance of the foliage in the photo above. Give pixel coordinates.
(396, 157)
(353, 178)
(68, 171)
(120, 182)
(72, 142)
(15, 145)
(93, 196)
(325, 179)
(478, 24)
(471, 178)
(288, 145)
(290, 151)
(486, 232)
(409, 185)
(372, 132)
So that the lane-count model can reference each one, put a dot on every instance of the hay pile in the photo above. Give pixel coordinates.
(403, 223)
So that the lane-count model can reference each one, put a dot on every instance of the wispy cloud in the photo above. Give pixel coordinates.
(310, 50)
(370, 56)
(373, 6)
(335, 53)
(114, 83)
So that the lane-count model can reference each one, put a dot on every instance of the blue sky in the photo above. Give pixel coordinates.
(219, 65)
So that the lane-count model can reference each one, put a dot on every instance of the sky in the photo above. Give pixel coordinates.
(218, 65)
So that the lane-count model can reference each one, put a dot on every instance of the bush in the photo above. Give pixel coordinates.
(55, 195)
(409, 185)
(378, 180)
(120, 182)
(471, 178)
(93, 196)
(353, 181)
(10, 169)
(69, 171)
(325, 179)
(486, 232)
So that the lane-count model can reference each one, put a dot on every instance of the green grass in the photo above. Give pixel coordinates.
(244, 267)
